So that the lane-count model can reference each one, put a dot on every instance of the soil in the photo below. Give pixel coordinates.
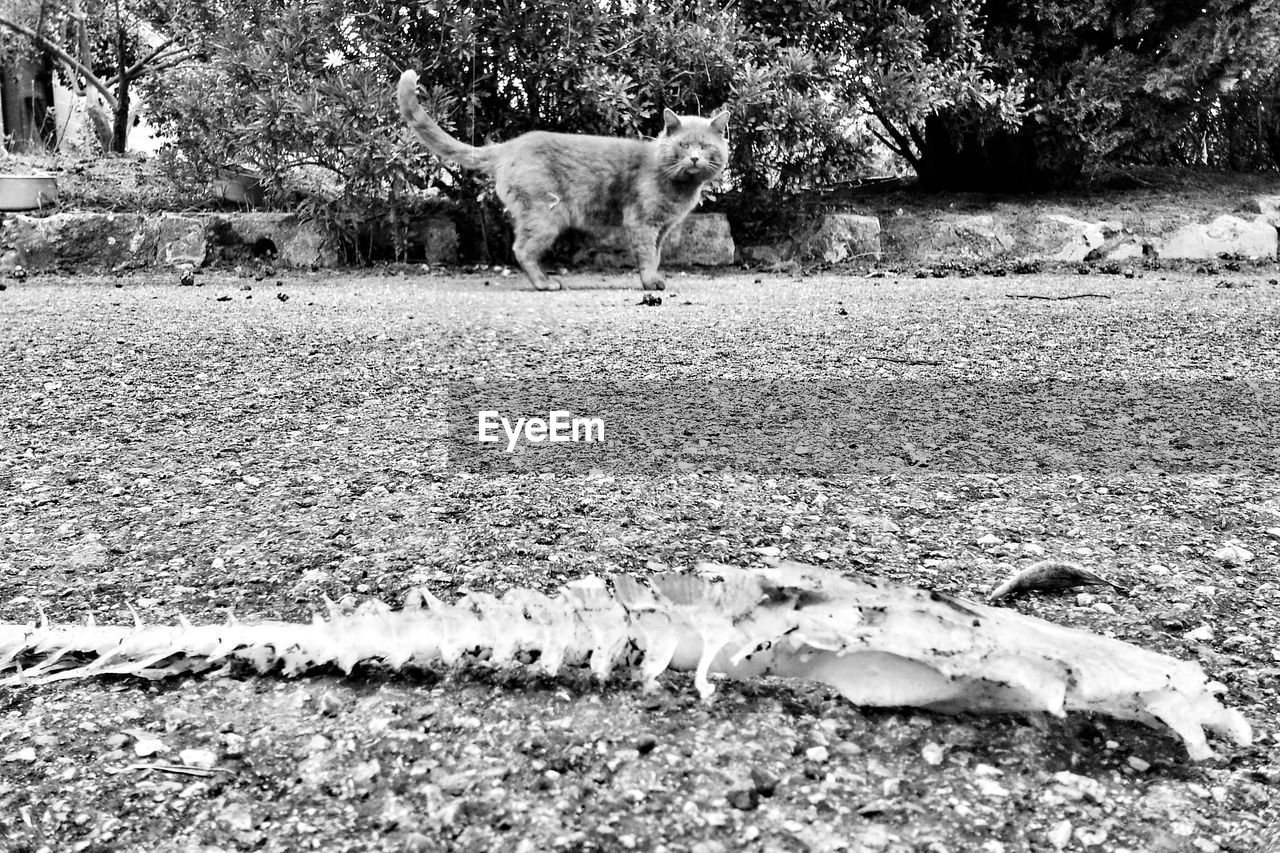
(256, 445)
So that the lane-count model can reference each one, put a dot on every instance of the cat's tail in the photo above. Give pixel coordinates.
(432, 135)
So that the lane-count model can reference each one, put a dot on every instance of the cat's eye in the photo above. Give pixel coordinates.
(684, 143)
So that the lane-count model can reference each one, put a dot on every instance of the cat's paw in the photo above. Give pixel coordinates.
(549, 283)
(654, 284)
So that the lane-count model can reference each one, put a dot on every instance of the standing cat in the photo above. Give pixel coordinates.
(552, 182)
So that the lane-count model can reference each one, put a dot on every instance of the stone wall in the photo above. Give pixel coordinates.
(121, 241)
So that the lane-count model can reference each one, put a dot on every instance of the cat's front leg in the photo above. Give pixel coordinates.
(646, 245)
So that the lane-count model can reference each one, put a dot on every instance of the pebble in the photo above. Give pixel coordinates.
(1138, 764)
(990, 787)
(1233, 555)
(744, 798)
(1091, 836)
(646, 743)
(764, 781)
(990, 540)
(26, 755)
(817, 753)
(1060, 835)
(1203, 634)
(202, 758)
(932, 753)
(1103, 607)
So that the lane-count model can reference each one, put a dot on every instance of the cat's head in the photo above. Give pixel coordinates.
(692, 148)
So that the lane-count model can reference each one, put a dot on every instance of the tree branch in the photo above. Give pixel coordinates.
(75, 64)
(900, 144)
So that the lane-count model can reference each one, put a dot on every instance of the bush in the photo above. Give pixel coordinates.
(1027, 94)
(305, 88)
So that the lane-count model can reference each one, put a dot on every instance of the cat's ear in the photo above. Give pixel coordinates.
(671, 120)
(720, 122)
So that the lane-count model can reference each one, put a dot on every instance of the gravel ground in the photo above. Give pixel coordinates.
(256, 444)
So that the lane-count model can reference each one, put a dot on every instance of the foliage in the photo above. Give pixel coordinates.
(970, 90)
(305, 83)
(102, 48)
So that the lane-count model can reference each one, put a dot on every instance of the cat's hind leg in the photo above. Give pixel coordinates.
(533, 239)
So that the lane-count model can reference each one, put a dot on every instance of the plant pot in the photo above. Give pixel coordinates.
(239, 186)
(27, 192)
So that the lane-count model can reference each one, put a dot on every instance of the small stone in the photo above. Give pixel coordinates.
(646, 744)
(1204, 845)
(767, 551)
(201, 758)
(933, 754)
(990, 787)
(1138, 764)
(453, 783)
(1203, 634)
(989, 540)
(238, 817)
(1091, 836)
(1103, 607)
(817, 753)
(744, 798)
(233, 744)
(26, 755)
(764, 781)
(144, 747)
(1060, 834)
(1233, 555)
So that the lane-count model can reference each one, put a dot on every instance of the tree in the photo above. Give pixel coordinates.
(1015, 94)
(103, 45)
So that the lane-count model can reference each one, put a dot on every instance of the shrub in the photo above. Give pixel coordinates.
(300, 88)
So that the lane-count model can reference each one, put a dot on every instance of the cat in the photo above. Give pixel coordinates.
(553, 182)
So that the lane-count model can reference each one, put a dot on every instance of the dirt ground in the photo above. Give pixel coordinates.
(256, 445)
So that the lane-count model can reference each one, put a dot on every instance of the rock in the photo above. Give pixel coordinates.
(26, 755)
(434, 240)
(1128, 249)
(292, 242)
(744, 798)
(766, 255)
(1060, 835)
(201, 758)
(1138, 764)
(1059, 237)
(1266, 205)
(764, 781)
(238, 816)
(841, 237)
(1203, 634)
(181, 240)
(1233, 555)
(1091, 836)
(932, 754)
(702, 239)
(79, 240)
(1252, 238)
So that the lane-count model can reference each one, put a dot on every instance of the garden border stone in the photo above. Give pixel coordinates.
(120, 241)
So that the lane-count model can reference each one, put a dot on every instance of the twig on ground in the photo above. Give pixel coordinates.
(1058, 298)
(897, 360)
(180, 769)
